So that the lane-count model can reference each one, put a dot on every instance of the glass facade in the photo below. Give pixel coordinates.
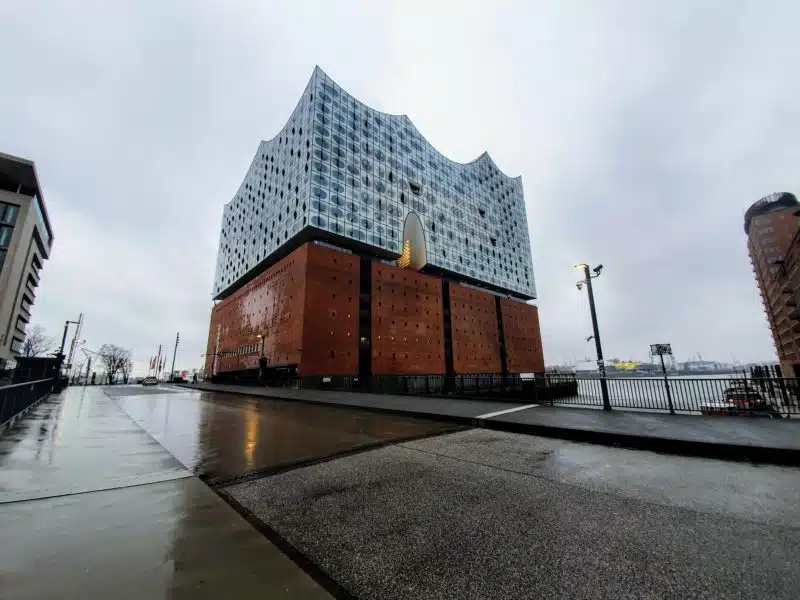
(355, 173)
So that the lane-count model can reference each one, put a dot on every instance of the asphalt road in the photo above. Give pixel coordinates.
(483, 514)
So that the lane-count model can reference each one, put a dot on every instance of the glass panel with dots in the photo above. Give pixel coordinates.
(344, 168)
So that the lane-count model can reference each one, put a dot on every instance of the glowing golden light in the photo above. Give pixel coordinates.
(404, 261)
(251, 436)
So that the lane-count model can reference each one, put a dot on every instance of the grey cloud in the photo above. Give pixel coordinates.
(641, 132)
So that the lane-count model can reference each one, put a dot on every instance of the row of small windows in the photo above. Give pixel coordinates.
(350, 111)
(240, 351)
(346, 133)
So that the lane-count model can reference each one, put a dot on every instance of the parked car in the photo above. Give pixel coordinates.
(743, 395)
(150, 381)
(742, 398)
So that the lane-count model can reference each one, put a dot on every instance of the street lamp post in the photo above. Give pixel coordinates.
(261, 337)
(262, 360)
(64, 337)
(172, 371)
(598, 346)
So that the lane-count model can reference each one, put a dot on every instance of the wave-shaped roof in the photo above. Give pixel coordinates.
(484, 156)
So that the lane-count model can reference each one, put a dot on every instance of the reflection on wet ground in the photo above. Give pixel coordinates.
(54, 450)
(172, 539)
(97, 499)
(222, 436)
(91, 506)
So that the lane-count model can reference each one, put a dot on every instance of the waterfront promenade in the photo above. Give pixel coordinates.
(738, 438)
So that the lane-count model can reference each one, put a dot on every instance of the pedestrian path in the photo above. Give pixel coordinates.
(736, 438)
(91, 506)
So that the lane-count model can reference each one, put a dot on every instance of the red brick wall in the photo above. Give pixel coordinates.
(476, 339)
(330, 328)
(522, 336)
(407, 326)
(271, 305)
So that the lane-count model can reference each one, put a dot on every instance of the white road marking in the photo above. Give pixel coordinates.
(505, 412)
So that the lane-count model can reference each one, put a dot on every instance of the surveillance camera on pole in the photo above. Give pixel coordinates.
(600, 362)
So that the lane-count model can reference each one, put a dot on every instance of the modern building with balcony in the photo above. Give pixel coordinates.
(354, 248)
(26, 238)
(771, 225)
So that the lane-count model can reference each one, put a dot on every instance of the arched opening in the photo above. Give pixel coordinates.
(415, 250)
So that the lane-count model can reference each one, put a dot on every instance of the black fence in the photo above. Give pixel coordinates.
(16, 397)
(729, 395)
(751, 395)
(487, 386)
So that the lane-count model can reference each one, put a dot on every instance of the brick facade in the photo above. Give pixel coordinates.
(523, 338)
(407, 326)
(476, 338)
(330, 324)
(307, 308)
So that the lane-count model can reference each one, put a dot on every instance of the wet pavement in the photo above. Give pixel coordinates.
(98, 493)
(81, 443)
(91, 506)
(487, 514)
(775, 441)
(224, 436)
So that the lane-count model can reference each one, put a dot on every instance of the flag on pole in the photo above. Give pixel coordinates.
(153, 362)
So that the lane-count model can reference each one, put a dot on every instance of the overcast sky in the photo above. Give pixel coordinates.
(642, 130)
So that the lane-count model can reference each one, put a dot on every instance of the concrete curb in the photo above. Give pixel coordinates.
(682, 447)
(695, 448)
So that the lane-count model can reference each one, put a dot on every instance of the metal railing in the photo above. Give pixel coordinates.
(488, 386)
(16, 397)
(722, 395)
(710, 395)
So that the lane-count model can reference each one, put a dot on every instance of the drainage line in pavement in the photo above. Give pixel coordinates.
(310, 568)
(275, 470)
